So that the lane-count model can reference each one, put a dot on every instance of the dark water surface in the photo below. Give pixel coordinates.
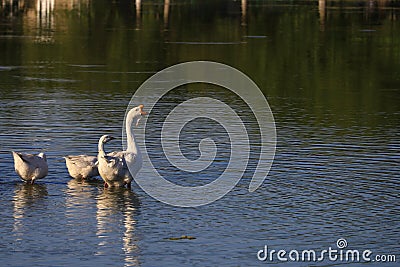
(330, 72)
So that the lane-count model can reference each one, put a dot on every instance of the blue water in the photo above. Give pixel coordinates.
(336, 168)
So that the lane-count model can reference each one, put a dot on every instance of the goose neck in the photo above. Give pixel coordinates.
(130, 137)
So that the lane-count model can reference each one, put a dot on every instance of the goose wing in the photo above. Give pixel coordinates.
(30, 159)
(118, 154)
(123, 158)
(82, 161)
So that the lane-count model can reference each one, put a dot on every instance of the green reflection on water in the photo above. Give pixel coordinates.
(338, 62)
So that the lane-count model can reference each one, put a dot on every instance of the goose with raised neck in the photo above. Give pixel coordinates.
(113, 167)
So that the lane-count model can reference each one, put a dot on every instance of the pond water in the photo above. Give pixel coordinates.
(330, 71)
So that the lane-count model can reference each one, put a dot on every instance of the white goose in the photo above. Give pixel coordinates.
(30, 167)
(82, 166)
(113, 167)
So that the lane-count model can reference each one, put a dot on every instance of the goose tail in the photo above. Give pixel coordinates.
(18, 155)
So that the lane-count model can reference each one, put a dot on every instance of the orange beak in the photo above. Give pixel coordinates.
(142, 112)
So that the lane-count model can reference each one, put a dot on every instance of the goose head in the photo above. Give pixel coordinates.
(105, 139)
(135, 114)
(43, 156)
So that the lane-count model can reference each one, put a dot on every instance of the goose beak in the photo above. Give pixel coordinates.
(142, 112)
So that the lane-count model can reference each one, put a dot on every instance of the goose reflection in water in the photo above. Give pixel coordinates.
(116, 211)
(82, 191)
(79, 202)
(27, 198)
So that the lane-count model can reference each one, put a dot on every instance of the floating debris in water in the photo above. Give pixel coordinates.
(182, 237)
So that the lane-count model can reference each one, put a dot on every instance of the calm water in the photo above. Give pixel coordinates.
(330, 72)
